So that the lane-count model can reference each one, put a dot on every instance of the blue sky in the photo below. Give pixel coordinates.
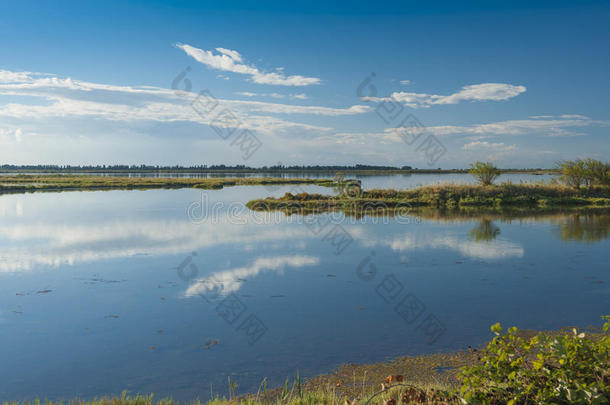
(91, 82)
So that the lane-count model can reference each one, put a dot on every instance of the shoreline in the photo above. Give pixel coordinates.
(434, 375)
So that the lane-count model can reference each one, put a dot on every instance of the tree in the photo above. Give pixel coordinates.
(587, 172)
(485, 173)
(597, 172)
(572, 172)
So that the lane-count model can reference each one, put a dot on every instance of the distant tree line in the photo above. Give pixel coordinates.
(203, 168)
(195, 168)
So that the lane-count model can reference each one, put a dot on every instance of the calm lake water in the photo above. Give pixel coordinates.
(106, 291)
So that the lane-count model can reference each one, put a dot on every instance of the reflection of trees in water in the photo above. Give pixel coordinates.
(484, 231)
(575, 227)
(585, 228)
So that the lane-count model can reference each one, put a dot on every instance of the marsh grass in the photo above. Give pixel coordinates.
(308, 398)
(328, 396)
(34, 183)
(445, 196)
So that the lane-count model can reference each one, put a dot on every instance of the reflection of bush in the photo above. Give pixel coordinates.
(585, 228)
(484, 231)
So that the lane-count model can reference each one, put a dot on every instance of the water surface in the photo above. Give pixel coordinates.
(92, 301)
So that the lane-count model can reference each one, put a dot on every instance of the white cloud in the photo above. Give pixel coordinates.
(299, 96)
(573, 116)
(478, 137)
(231, 54)
(489, 146)
(475, 92)
(8, 76)
(231, 61)
(484, 91)
(405, 82)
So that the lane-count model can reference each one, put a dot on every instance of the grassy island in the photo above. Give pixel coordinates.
(34, 183)
(447, 196)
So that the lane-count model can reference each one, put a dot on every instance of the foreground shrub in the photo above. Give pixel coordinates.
(485, 173)
(545, 369)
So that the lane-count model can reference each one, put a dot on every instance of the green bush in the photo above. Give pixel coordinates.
(485, 173)
(567, 368)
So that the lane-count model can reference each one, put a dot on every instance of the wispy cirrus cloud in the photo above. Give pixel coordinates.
(545, 126)
(297, 96)
(475, 92)
(50, 96)
(467, 141)
(550, 126)
(229, 60)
